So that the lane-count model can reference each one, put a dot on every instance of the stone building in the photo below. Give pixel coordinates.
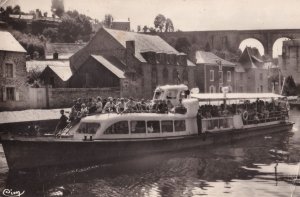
(251, 72)
(148, 61)
(13, 76)
(289, 62)
(213, 73)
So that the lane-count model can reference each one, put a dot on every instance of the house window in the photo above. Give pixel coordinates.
(261, 76)
(228, 75)
(261, 89)
(221, 76)
(220, 88)
(52, 81)
(212, 89)
(211, 75)
(185, 76)
(9, 70)
(241, 76)
(10, 93)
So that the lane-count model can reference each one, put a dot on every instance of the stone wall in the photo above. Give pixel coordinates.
(18, 81)
(63, 97)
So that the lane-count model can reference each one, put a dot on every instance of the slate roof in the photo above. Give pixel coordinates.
(252, 57)
(203, 57)
(9, 43)
(113, 68)
(143, 42)
(64, 50)
(60, 67)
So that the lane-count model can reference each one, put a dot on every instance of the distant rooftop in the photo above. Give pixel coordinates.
(40, 65)
(9, 43)
(64, 50)
(203, 57)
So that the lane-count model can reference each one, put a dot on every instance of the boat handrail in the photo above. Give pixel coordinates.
(219, 117)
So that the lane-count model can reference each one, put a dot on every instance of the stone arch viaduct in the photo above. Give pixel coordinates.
(231, 39)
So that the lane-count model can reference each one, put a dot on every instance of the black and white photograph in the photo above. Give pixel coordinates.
(149, 98)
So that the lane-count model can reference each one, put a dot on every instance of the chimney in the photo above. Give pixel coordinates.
(130, 51)
(130, 46)
(55, 55)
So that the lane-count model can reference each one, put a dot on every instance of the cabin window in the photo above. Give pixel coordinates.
(153, 127)
(158, 94)
(118, 128)
(138, 126)
(179, 125)
(89, 128)
(167, 126)
(172, 94)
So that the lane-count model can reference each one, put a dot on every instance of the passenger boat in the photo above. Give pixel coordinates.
(110, 137)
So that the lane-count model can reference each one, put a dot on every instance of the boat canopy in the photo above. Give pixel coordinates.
(234, 96)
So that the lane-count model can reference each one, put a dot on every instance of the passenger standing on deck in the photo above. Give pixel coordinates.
(121, 106)
(63, 122)
(99, 105)
(170, 105)
(73, 112)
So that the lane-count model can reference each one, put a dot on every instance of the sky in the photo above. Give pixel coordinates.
(187, 15)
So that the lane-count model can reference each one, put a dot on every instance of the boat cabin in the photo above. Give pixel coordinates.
(171, 92)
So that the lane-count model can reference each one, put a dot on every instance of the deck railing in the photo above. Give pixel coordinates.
(217, 123)
(272, 116)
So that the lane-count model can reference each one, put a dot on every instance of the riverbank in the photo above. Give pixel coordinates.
(18, 121)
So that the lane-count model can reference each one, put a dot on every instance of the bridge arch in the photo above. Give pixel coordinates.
(277, 46)
(252, 42)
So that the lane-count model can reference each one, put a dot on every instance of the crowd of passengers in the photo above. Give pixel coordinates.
(82, 108)
(254, 111)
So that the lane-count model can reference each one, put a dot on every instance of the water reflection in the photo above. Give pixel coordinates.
(244, 168)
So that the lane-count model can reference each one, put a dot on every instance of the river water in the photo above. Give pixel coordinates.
(263, 166)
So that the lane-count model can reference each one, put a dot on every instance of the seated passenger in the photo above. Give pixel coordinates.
(131, 105)
(162, 107)
(154, 106)
(169, 105)
(180, 108)
(109, 106)
(91, 105)
(121, 106)
(84, 110)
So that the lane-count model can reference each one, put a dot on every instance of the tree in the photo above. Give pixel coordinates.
(58, 7)
(69, 29)
(145, 29)
(51, 34)
(159, 22)
(169, 26)
(183, 45)
(16, 10)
